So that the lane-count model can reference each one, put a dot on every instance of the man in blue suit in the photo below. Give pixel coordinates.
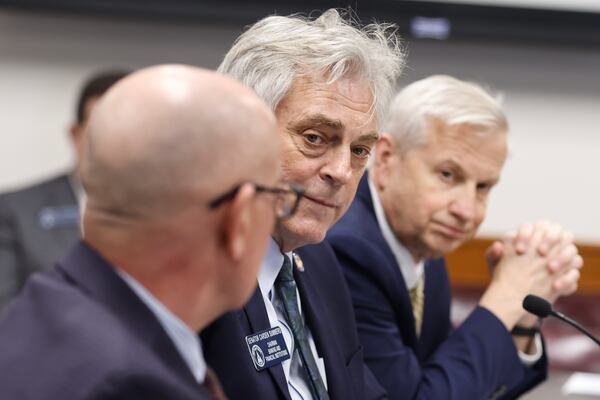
(329, 83)
(173, 235)
(426, 194)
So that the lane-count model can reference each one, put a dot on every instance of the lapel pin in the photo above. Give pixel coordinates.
(298, 262)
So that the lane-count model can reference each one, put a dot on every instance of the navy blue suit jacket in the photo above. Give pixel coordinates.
(476, 361)
(79, 332)
(328, 311)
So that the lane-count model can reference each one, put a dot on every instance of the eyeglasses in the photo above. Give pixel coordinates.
(287, 198)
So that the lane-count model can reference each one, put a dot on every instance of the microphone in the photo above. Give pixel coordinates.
(542, 308)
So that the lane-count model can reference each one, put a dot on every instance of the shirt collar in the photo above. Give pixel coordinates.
(186, 341)
(271, 265)
(411, 271)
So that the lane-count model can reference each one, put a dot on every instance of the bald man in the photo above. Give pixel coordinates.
(173, 236)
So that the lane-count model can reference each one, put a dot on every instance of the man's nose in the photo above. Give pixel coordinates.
(338, 167)
(464, 205)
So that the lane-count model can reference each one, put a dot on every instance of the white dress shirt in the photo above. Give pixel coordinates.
(185, 340)
(412, 270)
(298, 387)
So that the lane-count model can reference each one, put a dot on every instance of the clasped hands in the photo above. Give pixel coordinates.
(539, 259)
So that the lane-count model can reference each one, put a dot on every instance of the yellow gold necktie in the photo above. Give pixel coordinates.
(417, 299)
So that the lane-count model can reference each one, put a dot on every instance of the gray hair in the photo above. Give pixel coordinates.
(445, 98)
(272, 53)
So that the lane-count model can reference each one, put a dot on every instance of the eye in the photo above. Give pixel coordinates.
(313, 139)
(484, 187)
(446, 175)
(361, 151)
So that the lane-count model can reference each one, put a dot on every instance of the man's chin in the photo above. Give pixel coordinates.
(443, 249)
(290, 235)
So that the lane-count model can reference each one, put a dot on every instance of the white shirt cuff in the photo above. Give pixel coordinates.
(529, 359)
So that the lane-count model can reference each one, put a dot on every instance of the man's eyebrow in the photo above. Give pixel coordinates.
(460, 170)
(369, 137)
(315, 120)
(454, 164)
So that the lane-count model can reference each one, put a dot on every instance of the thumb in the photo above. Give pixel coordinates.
(494, 254)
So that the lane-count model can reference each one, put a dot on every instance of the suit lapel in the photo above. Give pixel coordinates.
(401, 296)
(258, 320)
(316, 318)
(99, 280)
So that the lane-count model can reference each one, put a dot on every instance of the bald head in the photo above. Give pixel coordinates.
(167, 136)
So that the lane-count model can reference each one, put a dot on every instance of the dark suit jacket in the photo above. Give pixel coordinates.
(34, 232)
(328, 312)
(79, 332)
(476, 361)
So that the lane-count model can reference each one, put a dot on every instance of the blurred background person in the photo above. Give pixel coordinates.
(40, 222)
(442, 152)
(118, 317)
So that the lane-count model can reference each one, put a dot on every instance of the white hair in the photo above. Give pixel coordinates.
(447, 99)
(274, 51)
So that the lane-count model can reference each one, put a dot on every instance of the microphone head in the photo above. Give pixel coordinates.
(537, 306)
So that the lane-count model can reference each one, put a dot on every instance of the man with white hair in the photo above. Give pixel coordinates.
(173, 235)
(329, 82)
(426, 194)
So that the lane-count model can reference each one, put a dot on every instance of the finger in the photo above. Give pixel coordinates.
(552, 236)
(494, 253)
(523, 237)
(577, 262)
(537, 234)
(566, 239)
(567, 284)
(562, 259)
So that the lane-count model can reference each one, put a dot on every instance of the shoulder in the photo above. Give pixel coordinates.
(72, 340)
(357, 233)
(55, 317)
(358, 221)
(360, 247)
(34, 193)
(319, 259)
(38, 187)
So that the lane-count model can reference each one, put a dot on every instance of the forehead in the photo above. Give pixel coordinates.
(347, 102)
(478, 151)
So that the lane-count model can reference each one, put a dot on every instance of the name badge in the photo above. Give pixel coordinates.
(58, 217)
(267, 348)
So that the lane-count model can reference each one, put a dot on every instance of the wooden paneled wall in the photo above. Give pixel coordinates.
(467, 267)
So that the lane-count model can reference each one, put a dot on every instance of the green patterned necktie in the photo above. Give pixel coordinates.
(286, 290)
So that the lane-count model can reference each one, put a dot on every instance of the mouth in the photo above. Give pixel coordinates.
(320, 201)
(452, 231)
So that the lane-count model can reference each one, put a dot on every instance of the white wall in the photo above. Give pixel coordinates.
(45, 59)
(552, 97)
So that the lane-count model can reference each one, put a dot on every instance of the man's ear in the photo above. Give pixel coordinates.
(384, 152)
(74, 131)
(76, 137)
(238, 223)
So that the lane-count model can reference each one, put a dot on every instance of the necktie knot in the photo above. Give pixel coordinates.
(213, 386)
(286, 274)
